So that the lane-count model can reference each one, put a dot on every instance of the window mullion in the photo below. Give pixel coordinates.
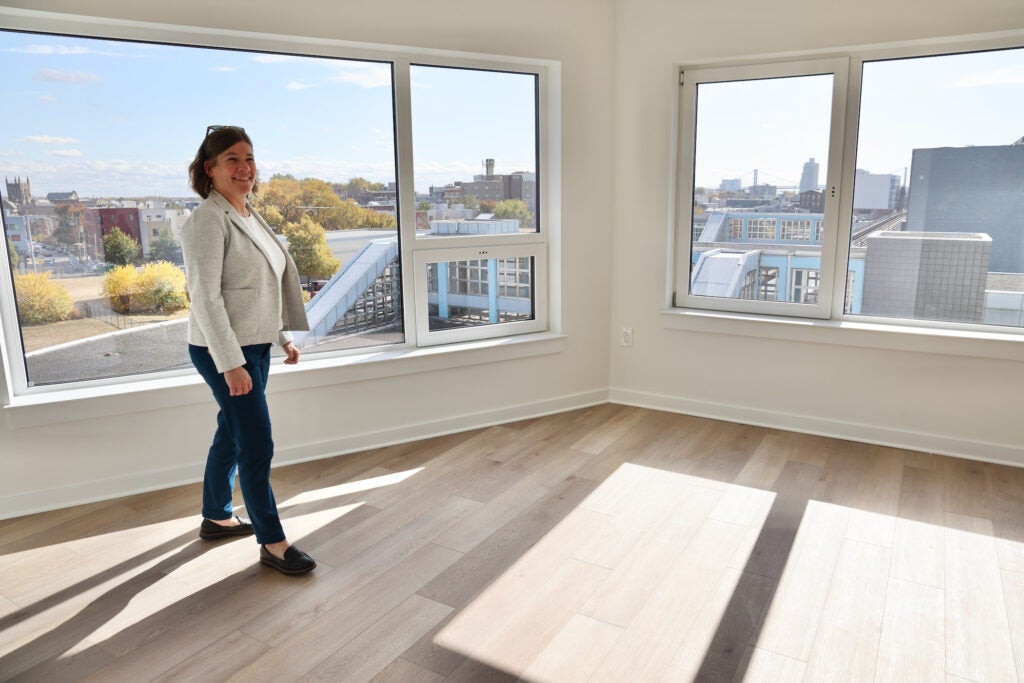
(406, 193)
(848, 160)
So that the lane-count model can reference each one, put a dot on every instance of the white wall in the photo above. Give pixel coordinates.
(948, 403)
(102, 447)
(618, 74)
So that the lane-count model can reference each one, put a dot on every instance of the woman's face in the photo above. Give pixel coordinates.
(233, 171)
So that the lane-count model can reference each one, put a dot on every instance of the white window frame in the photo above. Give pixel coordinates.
(423, 257)
(690, 79)
(15, 390)
(922, 336)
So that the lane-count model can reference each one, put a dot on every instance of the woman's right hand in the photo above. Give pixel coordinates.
(239, 381)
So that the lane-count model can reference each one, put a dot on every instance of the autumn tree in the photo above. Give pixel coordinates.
(307, 244)
(284, 194)
(514, 208)
(69, 217)
(357, 185)
(119, 248)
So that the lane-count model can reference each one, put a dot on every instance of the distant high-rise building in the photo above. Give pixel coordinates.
(809, 177)
(731, 184)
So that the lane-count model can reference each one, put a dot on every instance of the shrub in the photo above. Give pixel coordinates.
(120, 286)
(162, 285)
(158, 287)
(40, 300)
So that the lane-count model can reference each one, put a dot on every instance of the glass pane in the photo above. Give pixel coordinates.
(939, 190)
(81, 161)
(479, 292)
(758, 203)
(474, 150)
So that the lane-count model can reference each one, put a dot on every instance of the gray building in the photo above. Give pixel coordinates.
(972, 190)
(926, 275)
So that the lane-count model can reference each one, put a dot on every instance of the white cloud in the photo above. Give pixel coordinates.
(272, 59)
(364, 75)
(50, 140)
(118, 178)
(295, 85)
(54, 50)
(67, 153)
(67, 76)
(47, 98)
(1009, 75)
(224, 68)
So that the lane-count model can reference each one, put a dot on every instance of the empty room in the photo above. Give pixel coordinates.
(638, 341)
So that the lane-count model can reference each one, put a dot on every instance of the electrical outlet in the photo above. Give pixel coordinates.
(627, 336)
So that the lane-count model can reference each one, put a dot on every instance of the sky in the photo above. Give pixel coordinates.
(122, 119)
(776, 125)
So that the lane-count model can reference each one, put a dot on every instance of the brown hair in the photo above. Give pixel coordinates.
(218, 139)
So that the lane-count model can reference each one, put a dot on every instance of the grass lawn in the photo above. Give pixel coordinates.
(41, 336)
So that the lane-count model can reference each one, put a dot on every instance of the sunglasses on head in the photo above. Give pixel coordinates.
(214, 129)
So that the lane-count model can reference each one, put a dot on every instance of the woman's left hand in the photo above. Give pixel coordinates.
(293, 353)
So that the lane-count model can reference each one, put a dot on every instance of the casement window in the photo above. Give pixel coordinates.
(918, 155)
(359, 141)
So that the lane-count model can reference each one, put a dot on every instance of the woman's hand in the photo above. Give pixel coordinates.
(239, 381)
(293, 353)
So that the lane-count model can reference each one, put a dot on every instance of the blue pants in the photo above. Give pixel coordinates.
(242, 445)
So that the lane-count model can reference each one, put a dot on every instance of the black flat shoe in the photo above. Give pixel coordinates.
(211, 531)
(295, 561)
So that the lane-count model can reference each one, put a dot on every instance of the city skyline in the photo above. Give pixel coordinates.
(110, 118)
(967, 99)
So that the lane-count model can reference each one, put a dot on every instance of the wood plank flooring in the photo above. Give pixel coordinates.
(606, 544)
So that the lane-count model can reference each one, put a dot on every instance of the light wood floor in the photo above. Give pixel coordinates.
(605, 544)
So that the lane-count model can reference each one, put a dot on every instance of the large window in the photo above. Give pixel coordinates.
(369, 164)
(897, 180)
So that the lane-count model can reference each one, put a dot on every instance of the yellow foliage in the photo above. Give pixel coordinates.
(158, 287)
(40, 300)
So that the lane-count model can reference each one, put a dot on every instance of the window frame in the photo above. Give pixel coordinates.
(924, 336)
(689, 80)
(423, 257)
(16, 390)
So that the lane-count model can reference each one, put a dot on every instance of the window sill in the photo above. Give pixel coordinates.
(997, 345)
(72, 404)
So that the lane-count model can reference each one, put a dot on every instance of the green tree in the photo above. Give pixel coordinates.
(307, 243)
(165, 248)
(423, 206)
(119, 248)
(12, 256)
(470, 202)
(514, 208)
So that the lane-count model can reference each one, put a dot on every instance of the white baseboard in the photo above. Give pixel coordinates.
(78, 493)
(1002, 454)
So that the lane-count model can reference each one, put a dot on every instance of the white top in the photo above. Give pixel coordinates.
(268, 244)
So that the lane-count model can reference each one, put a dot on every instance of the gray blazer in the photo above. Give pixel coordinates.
(236, 300)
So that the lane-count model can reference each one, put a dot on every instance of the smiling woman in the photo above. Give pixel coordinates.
(80, 177)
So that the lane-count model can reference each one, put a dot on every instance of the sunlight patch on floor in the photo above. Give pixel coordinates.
(350, 488)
